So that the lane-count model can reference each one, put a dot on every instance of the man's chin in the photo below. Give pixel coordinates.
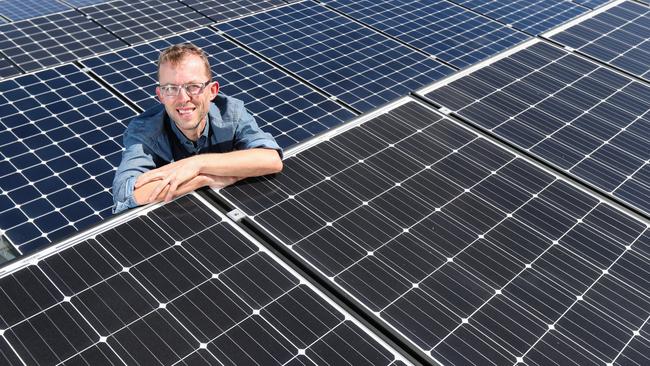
(187, 125)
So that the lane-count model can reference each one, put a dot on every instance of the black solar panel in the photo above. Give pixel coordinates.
(145, 20)
(440, 28)
(475, 255)
(175, 285)
(619, 36)
(25, 9)
(60, 141)
(531, 16)
(55, 39)
(585, 119)
(220, 10)
(282, 105)
(349, 61)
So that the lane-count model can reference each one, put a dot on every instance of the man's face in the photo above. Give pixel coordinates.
(187, 111)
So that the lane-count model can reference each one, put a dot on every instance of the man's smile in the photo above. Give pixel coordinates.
(185, 110)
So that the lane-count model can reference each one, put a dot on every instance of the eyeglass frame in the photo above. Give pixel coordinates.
(183, 87)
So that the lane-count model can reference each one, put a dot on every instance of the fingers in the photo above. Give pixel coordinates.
(155, 174)
(172, 191)
(159, 188)
(147, 177)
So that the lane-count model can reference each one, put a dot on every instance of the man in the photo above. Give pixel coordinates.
(196, 138)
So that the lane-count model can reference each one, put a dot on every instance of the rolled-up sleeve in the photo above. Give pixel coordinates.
(249, 135)
(135, 161)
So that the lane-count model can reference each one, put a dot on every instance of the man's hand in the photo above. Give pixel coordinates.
(170, 177)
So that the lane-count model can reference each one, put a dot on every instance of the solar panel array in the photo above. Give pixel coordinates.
(448, 32)
(583, 118)
(353, 63)
(60, 142)
(175, 285)
(462, 251)
(619, 36)
(473, 254)
(282, 105)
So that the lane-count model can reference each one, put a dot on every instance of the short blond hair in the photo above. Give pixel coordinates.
(175, 53)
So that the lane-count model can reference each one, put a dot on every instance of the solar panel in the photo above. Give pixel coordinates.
(584, 119)
(353, 63)
(619, 36)
(283, 106)
(220, 10)
(445, 30)
(177, 284)
(473, 254)
(531, 16)
(593, 4)
(60, 142)
(79, 3)
(145, 20)
(19, 10)
(52, 40)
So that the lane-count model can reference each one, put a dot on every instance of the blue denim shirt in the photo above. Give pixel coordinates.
(152, 140)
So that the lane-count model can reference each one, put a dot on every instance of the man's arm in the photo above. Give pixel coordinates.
(134, 162)
(216, 170)
(144, 194)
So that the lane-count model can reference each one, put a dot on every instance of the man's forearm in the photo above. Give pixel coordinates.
(142, 194)
(240, 163)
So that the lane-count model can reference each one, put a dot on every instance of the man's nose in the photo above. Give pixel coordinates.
(183, 95)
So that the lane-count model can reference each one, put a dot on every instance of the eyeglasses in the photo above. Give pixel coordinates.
(171, 90)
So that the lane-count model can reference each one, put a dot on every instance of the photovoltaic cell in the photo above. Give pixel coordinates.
(219, 10)
(19, 10)
(55, 39)
(619, 36)
(353, 63)
(474, 255)
(440, 28)
(531, 16)
(175, 285)
(60, 142)
(145, 20)
(282, 105)
(585, 119)
(7, 69)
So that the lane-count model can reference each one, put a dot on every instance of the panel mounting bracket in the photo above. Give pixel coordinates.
(445, 110)
(236, 215)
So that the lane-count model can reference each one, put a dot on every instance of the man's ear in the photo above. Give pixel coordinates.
(159, 95)
(214, 89)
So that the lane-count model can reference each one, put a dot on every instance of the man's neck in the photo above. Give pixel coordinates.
(195, 134)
